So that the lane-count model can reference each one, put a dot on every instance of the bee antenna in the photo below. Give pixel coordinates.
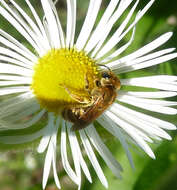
(104, 66)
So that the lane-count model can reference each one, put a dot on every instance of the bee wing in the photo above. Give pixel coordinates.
(93, 111)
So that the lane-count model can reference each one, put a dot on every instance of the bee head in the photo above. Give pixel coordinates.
(109, 79)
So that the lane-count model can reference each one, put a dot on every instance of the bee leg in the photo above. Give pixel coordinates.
(76, 97)
(90, 108)
(86, 82)
(76, 127)
(87, 85)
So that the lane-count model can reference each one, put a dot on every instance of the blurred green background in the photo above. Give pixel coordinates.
(21, 167)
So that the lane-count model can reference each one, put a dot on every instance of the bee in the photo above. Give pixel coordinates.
(102, 96)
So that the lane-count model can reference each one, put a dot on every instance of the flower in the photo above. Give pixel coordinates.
(41, 80)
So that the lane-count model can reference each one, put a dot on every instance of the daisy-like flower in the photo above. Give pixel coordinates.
(55, 71)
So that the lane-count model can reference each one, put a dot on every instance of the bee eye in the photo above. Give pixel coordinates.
(106, 75)
(97, 82)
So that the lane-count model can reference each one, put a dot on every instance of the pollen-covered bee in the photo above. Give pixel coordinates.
(102, 96)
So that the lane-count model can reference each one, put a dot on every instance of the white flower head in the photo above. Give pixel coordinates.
(52, 76)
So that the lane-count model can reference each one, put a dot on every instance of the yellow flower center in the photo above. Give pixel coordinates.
(61, 77)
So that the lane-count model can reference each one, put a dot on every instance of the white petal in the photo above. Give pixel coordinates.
(52, 23)
(14, 83)
(51, 153)
(138, 17)
(106, 30)
(26, 113)
(57, 182)
(147, 48)
(74, 151)
(150, 107)
(103, 151)
(130, 131)
(159, 94)
(118, 52)
(54, 142)
(148, 63)
(39, 37)
(15, 55)
(71, 22)
(30, 122)
(116, 36)
(9, 112)
(47, 165)
(6, 59)
(16, 21)
(102, 24)
(22, 54)
(64, 157)
(110, 126)
(14, 78)
(47, 134)
(20, 139)
(92, 158)
(89, 22)
(13, 69)
(127, 98)
(13, 90)
(31, 56)
(147, 118)
(162, 82)
(61, 35)
(118, 65)
(81, 160)
(150, 129)
(27, 100)
(39, 23)
(16, 99)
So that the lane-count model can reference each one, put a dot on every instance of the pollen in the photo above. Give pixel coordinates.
(62, 78)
